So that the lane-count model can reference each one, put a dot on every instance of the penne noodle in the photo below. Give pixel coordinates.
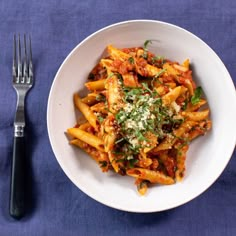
(113, 162)
(142, 186)
(191, 107)
(93, 153)
(185, 127)
(181, 68)
(114, 95)
(170, 69)
(178, 133)
(99, 107)
(109, 141)
(117, 54)
(170, 97)
(180, 158)
(186, 64)
(86, 137)
(145, 162)
(96, 85)
(86, 111)
(90, 99)
(107, 63)
(162, 90)
(130, 80)
(196, 116)
(150, 71)
(85, 126)
(171, 85)
(152, 176)
(100, 157)
(183, 90)
(201, 129)
(189, 85)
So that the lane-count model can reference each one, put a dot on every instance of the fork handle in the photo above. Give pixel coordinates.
(18, 179)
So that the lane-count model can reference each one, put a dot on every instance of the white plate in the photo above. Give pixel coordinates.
(207, 156)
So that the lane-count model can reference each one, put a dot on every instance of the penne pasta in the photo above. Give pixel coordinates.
(83, 145)
(142, 186)
(117, 54)
(99, 107)
(170, 97)
(86, 137)
(96, 85)
(100, 157)
(90, 99)
(84, 126)
(86, 111)
(113, 162)
(180, 159)
(186, 63)
(191, 107)
(196, 115)
(150, 175)
(114, 95)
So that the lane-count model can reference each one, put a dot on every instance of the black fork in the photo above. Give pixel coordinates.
(22, 82)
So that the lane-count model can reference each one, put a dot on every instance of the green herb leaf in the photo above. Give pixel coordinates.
(101, 98)
(158, 58)
(119, 140)
(155, 78)
(103, 163)
(140, 136)
(145, 55)
(142, 184)
(120, 116)
(100, 119)
(146, 44)
(119, 76)
(117, 152)
(131, 60)
(146, 87)
(110, 75)
(197, 95)
(132, 162)
(159, 73)
(185, 104)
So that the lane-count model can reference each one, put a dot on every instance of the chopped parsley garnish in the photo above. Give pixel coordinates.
(100, 97)
(185, 104)
(131, 60)
(145, 53)
(103, 163)
(197, 95)
(127, 158)
(119, 76)
(155, 78)
(143, 116)
(146, 44)
(132, 162)
(159, 73)
(160, 59)
(100, 119)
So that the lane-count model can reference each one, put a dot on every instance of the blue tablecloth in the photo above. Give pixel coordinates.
(58, 207)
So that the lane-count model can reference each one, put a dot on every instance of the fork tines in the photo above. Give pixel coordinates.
(22, 73)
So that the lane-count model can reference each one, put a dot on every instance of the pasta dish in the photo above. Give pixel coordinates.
(141, 113)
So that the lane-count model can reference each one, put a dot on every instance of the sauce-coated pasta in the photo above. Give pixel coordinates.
(142, 112)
